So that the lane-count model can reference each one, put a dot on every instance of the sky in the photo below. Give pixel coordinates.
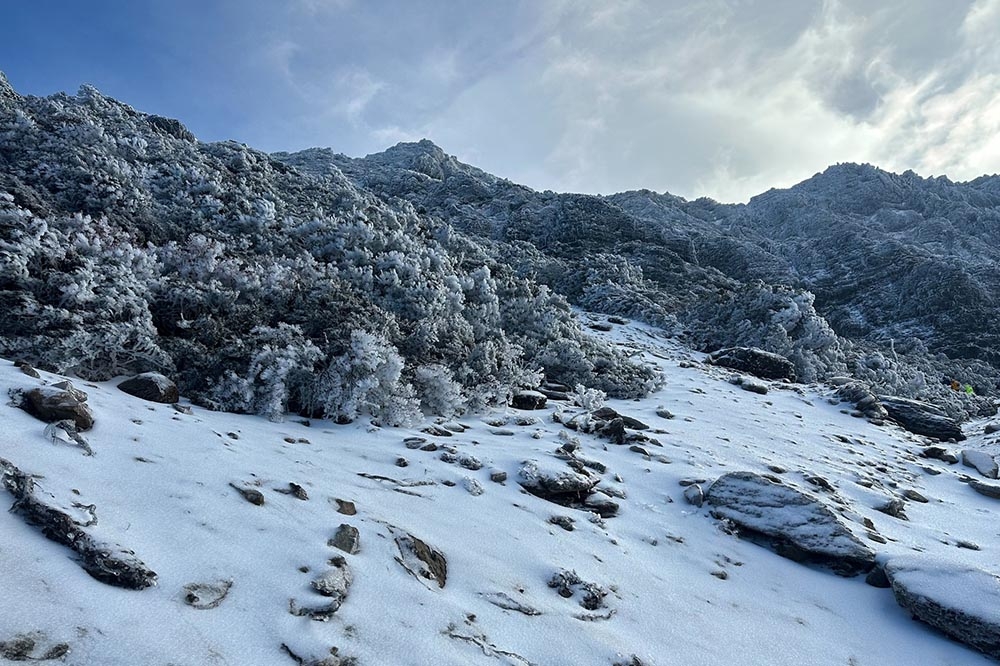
(718, 98)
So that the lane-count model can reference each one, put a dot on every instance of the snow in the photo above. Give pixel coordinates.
(159, 480)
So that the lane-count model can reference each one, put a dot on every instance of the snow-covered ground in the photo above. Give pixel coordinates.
(680, 590)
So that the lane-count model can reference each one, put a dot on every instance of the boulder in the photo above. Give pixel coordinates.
(981, 461)
(347, 539)
(792, 523)
(991, 428)
(754, 361)
(960, 600)
(51, 404)
(608, 414)
(151, 386)
(560, 484)
(922, 418)
(528, 400)
(985, 489)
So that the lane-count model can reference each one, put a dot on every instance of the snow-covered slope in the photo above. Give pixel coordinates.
(670, 583)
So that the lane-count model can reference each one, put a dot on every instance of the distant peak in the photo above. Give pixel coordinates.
(6, 90)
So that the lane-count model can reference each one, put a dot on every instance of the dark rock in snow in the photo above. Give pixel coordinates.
(991, 428)
(51, 404)
(694, 495)
(754, 361)
(249, 494)
(959, 600)
(793, 523)
(347, 539)
(205, 596)
(107, 563)
(27, 369)
(420, 559)
(498, 476)
(939, 453)
(345, 507)
(877, 578)
(560, 485)
(922, 418)
(151, 386)
(608, 414)
(528, 400)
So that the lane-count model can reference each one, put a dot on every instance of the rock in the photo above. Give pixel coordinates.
(151, 386)
(895, 508)
(987, 489)
(939, 453)
(605, 508)
(473, 486)
(498, 476)
(560, 485)
(747, 384)
(864, 399)
(249, 494)
(912, 494)
(334, 582)
(414, 442)
(607, 414)
(294, 490)
(27, 369)
(982, 462)
(564, 522)
(402, 462)
(568, 583)
(664, 413)
(877, 578)
(345, 507)
(694, 495)
(347, 539)
(988, 430)
(613, 430)
(505, 601)
(754, 361)
(958, 599)
(792, 523)
(922, 418)
(107, 563)
(437, 431)
(51, 404)
(528, 400)
(205, 596)
(420, 559)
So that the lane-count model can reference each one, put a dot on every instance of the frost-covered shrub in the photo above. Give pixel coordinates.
(439, 393)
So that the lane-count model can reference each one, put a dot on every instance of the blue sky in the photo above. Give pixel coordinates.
(723, 98)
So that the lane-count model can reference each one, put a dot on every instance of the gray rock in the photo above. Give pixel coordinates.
(986, 489)
(347, 539)
(991, 428)
(556, 483)
(206, 596)
(27, 369)
(959, 600)
(51, 404)
(151, 386)
(922, 418)
(694, 495)
(498, 476)
(754, 361)
(939, 453)
(607, 414)
(791, 522)
(981, 461)
(251, 495)
(346, 507)
(564, 522)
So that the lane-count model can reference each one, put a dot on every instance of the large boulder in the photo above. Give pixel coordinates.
(557, 483)
(151, 386)
(51, 404)
(792, 523)
(960, 600)
(754, 361)
(922, 418)
(528, 400)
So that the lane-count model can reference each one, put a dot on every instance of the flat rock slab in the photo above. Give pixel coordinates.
(981, 461)
(792, 523)
(960, 600)
(922, 418)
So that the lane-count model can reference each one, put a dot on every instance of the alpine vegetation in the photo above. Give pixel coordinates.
(127, 246)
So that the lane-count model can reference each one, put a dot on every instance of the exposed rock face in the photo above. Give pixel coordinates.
(528, 400)
(151, 386)
(922, 418)
(960, 600)
(793, 523)
(51, 404)
(754, 361)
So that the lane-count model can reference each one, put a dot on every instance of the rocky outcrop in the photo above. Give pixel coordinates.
(959, 600)
(790, 522)
(922, 418)
(51, 404)
(754, 361)
(151, 386)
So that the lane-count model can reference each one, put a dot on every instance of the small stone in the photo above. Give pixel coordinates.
(473, 486)
(498, 476)
(721, 575)
(694, 495)
(249, 494)
(151, 386)
(894, 508)
(345, 507)
(431, 447)
(664, 413)
(347, 539)
(402, 462)
(414, 442)
(564, 522)
(27, 369)
(911, 494)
